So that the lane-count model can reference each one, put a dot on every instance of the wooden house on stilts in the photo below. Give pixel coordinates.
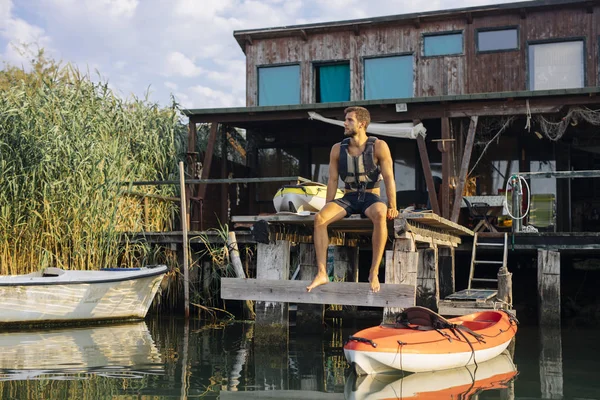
(508, 95)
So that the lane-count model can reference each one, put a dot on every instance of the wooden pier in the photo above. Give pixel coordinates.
(418, 267)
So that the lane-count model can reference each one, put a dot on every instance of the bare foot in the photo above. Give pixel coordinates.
(319, 280)
(374, 283)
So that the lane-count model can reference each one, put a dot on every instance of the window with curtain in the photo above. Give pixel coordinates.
(332, 82)
(558, 65)
(389, 77)
(279, 85)
(442, 45)
(497, 40)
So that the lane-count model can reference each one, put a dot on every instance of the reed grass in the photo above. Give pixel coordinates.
(66, 145)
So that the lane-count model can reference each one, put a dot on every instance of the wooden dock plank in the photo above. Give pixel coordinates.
(356, 222)
(344, 293)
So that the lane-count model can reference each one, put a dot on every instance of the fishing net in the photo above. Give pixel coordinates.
(554, 130)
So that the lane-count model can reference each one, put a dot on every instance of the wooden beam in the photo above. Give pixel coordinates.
(343, 293)
(212, 137)
(548, 268)
(428, 175)
(562, 174)
(446, 159)
(224, 175)
(464, 169)
(194, 212)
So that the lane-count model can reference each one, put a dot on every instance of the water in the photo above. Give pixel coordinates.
(164, 359)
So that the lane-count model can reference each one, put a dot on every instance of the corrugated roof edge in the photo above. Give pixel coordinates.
(242, 35)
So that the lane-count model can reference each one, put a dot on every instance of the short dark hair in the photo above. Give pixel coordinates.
(362, 114)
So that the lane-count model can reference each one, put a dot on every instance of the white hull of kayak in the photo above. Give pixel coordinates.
(456, 383)
(293, 202)
(371, 362)
(60, 296)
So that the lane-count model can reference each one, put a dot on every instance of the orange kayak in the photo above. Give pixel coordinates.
(422, 341)
(450, 384)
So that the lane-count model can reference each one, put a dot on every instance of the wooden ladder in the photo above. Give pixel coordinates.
(479, 241)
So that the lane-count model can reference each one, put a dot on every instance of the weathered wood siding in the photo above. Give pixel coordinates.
(470, 72)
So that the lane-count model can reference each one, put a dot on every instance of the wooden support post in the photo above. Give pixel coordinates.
(206, 278)
(400, 267)
(464, 169)
(342, 263)
(309, 317)
(185, 242)
(504, 295)
(428, 175)
(446, 160)
(551, 371)
(224, 212)
(355, 264)
(427, 283)
(238, 268)
(446, 271)
(192, 160)
(272, 318)
(549, 287)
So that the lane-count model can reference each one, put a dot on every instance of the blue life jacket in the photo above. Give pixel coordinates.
(360, 172)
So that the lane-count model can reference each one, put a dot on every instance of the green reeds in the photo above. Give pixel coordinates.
(66, 145)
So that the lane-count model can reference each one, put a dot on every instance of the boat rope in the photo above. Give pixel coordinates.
(511, 317)
(362, 340)
(399, 351)
(472, 349)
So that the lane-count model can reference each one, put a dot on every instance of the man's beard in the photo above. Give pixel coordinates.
(349, 132)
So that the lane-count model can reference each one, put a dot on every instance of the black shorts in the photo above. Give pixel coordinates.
(354, 203)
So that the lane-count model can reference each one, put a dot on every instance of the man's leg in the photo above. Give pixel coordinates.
(377, 214)
(330, 213)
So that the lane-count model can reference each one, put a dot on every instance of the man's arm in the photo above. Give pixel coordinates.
(384, 157)
(332, 182)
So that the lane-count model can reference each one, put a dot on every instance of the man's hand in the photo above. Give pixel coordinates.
(392, 213)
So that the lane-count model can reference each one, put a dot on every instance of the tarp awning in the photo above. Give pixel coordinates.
(405, 130)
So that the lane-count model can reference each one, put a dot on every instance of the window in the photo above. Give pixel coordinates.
(442, 45)
(279, 85)
(332, 82)
(497, 40)
(388, 77)
(556, 65)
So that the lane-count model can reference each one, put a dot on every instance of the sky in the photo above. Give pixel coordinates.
(164, 48)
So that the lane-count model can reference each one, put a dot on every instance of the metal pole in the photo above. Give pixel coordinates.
(185, 243)
(516, 204)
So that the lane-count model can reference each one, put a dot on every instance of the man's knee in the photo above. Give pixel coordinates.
(320, 220)
(378, 214)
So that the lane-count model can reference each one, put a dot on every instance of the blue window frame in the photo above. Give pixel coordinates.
(279, 85)
(389, 77)
(497, 39)
(443, 44)
(332, 82)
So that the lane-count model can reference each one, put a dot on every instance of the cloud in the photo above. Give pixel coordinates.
(206, 97)
(115, 9)
(185, 47)
(178, 64)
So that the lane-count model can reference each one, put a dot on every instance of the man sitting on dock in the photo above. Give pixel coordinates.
(361, 162)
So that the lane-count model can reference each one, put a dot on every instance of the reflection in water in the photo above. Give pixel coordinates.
(163, 359)
(73, 353)
(458, 383)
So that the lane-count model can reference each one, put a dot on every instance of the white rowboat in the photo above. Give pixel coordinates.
(54, 295)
